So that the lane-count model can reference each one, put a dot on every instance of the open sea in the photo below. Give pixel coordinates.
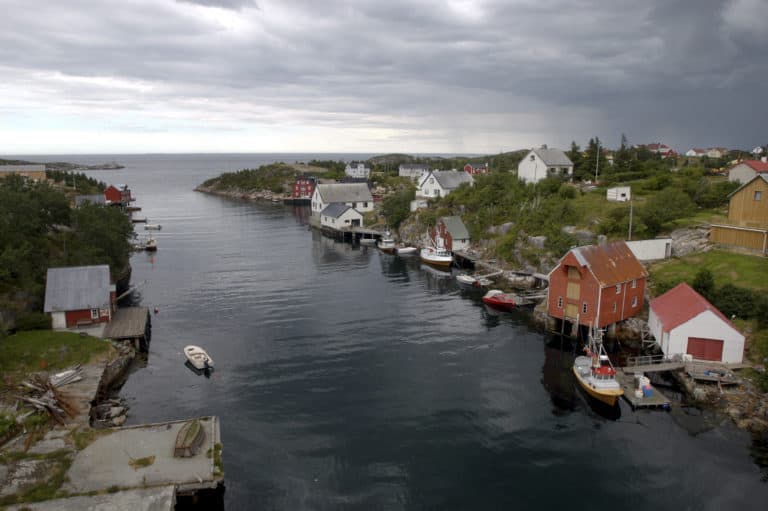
(350, 379)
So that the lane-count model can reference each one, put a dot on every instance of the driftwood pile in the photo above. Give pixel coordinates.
(44, 397)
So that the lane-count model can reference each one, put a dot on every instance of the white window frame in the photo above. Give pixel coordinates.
(94, 313)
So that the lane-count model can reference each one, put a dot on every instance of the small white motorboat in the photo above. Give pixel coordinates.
(151, 245)
(152, 227)
(198, 357)
(368, 241)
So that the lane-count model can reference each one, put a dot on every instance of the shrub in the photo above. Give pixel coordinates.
(33, 321)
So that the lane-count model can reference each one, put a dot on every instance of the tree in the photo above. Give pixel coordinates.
(667, 205)
(576, 157)
(704, 284)
(397, 206)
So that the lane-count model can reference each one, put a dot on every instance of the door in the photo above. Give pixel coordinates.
(572, 310)
(705, 349)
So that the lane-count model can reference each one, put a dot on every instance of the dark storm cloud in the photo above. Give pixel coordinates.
(487, 73)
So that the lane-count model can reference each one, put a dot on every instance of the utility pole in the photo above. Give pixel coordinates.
(597, 158)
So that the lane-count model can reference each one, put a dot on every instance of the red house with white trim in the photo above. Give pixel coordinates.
(79, 296)
(476, 168)
(684, 322)
(118, 194)
(597, 285)
(303, 187)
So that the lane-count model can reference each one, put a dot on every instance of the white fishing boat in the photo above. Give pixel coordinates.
(437, 257)
(387, 244)
(467, 281)
(406, 250)
(595, 373)
(198, 357)
(152, 227)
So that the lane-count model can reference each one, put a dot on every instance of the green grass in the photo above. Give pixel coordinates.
(35, 350)
(741, 270)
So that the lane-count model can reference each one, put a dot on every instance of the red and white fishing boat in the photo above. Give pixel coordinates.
(500, 300)
(596, 374)
(437, 255)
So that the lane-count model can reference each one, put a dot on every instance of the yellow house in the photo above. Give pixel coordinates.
(747, 217)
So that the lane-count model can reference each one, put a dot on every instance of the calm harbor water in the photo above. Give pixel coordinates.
(350, 379)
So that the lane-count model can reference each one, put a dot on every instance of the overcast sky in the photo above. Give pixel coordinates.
(457, 76)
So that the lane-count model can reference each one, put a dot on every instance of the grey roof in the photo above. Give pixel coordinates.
(93, 199)
(335, 210)
(553, 157)
(456, 227)
(344, 192)
(451, 179)
(77, 288)
(414, 166)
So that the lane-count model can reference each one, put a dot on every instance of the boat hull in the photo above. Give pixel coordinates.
(500, 304)
(607, 396)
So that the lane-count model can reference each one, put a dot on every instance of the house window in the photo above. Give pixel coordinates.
(365, 204)
(614, 306)
(634, 283)
(584, 308)
(758, 194)
(559, 302)
(533, 158)
(618, 288)
(634, 301)
(94, 313)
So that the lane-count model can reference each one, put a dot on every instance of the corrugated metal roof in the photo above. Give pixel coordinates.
(681, 304)
(757, 165)
(456, 227)
(344, 192)
(77, 288)
(611, 263)
(335, 210)
(451, 179)
(553, 157)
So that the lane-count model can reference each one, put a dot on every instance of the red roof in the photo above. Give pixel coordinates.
(612, 263)
(680, 304)
(757, 165)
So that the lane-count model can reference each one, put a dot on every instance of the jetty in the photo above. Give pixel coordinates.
(132, 324)
(655, 400)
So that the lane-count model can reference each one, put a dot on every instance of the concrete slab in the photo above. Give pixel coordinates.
(149, 499)
(54, 440)
(107, 461)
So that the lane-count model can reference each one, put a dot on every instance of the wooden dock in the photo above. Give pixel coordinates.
(130, 324)
(627, 381)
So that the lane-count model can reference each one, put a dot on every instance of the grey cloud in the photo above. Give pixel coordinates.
(556, 69)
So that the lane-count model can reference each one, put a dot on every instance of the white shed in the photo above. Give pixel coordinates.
(340, 216)
(684, 322)
(619, 194)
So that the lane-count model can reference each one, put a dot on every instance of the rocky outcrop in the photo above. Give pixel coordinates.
(689, 241)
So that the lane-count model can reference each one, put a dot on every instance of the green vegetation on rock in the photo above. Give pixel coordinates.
(267, 177)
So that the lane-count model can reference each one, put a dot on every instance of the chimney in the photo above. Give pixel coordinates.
(764, 159)
(543, 146)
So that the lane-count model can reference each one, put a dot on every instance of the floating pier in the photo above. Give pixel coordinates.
(627, 382)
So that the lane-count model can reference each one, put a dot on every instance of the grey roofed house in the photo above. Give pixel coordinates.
(93, 199)
(415, 166)
(553, 157)
(451, 179)
(77, 288)
(456, 227)
(344, 192)
(335, 210)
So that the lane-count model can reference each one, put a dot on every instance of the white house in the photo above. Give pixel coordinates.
(746, 171)
(717, 152)
(685, 323)
(439, 183)
(413, 170)
(354, 195)
(619, 194)
(696, 152)
(758, 150)
(542, 163)
(339, 216)
(357, 169)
